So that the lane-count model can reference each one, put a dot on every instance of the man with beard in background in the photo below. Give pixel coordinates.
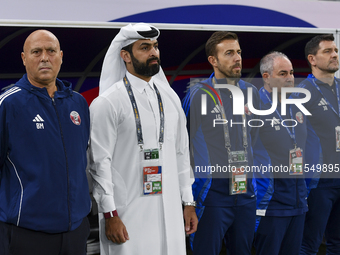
(224, 213)
(139, 142)
(322, 146)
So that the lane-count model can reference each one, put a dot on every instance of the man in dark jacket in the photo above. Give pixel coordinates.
(322, 146)
(221, 153)
(44, 128)
(279, 154)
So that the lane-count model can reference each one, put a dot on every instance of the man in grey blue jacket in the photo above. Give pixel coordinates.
(223, 190)
(281, 188)
(322, 147)
(44, 128)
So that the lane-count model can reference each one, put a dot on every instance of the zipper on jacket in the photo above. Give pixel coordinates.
(67, 167)
(297, 193)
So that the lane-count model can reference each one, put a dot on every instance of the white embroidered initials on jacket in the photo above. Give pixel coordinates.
(276, 122)
(217, 111)
(39, 121)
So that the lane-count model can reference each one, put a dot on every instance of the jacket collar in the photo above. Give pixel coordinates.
(263, 95)
(64, 88)
(312, 77)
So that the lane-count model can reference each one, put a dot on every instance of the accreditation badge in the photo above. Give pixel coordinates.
(152, 180)
(337, 139)
(151, 154)
(295, 162)
(151, 162)
(238, 162)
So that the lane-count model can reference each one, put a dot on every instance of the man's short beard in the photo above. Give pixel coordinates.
(144, 69)
(231, 77)
(229, 74)
(333, 70)
(330, 70)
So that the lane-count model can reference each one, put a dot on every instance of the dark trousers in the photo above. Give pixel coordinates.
(323, 217)
(235, 225)
(279, 235)
(20, 241)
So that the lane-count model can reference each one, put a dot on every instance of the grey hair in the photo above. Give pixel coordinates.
(267, 62)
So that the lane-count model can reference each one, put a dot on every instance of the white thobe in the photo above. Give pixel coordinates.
(154, 222)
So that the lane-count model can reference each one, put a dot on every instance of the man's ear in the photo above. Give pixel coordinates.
(61, 55)
(213, 61)
(311, 59)
(23, 58)
(125, 55)
(265, 77)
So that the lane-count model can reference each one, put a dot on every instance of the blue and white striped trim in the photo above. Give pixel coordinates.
(22, 189)
(8, 93)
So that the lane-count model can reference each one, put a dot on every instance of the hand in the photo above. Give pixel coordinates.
(115, 230)
(190, 219)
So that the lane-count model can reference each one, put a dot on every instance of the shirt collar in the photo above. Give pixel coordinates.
(138, 83)
(264, 94)
(218, 81)
(311, 76)
(223, 81)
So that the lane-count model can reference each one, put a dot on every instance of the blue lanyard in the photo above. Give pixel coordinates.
(337, 94)
(291, 133)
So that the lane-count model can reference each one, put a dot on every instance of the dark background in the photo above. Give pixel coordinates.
(182, 54)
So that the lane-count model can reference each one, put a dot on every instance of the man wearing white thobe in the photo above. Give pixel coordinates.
(133, 221)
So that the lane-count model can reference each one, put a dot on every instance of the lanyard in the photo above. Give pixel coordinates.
(291, 133)
(337, 95)
(225, 125)
(137, 116)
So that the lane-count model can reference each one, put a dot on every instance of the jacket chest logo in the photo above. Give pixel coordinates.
(217, 111)
(323, 103)
(276, 124)
(38, 122)
(75, 117)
